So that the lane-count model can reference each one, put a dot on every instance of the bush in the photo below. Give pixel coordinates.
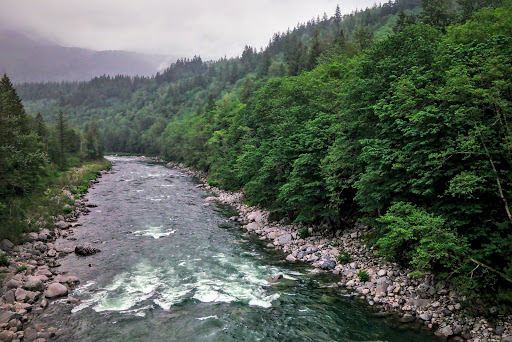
(4, 261)
(363, 276)
(415, 237)
(344, 258)
(21, 268)
(304, 233)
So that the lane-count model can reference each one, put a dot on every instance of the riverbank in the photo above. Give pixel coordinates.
(385, 286)
(30, 280)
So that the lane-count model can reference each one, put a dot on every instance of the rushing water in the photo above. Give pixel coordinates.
(174, 269)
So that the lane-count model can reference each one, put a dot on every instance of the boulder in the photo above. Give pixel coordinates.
(290, 258)
(6, 336)
(6, 245)
(444, 332)
(86, 249)
(6, 316)
(283, 240)
(274, 278)
(56, 290)
(33, 284)
(62, 225)
(407, 318)
(328, 265)
(12, 284)
(426, 316)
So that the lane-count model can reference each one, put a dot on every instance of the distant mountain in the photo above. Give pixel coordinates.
(27, 59)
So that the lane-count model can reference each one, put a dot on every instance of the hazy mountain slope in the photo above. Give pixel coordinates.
(30, 60)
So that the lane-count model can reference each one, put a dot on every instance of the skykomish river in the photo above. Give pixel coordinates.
(174, 269)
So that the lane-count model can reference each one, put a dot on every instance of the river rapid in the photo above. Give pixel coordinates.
(172, 267)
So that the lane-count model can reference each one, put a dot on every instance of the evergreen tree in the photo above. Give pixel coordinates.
(437, 13)
(314, 51)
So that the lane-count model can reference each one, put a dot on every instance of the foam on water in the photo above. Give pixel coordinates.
(155, 232)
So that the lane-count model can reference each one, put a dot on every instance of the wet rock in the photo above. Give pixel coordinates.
(290, 257)
(407, 318)
(56, 290)
(274, 278)
(86, 249)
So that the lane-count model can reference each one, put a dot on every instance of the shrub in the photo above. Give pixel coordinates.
(413, 236)
(343, 258)
(21, 268)
(4, 261)
(304, 233)
(363, 276)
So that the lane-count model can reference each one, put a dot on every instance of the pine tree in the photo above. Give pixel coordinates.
(61, 132)
(337, 16)
(437, 13)
(314, 51)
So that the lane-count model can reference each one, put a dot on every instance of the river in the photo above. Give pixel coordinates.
(174, 268)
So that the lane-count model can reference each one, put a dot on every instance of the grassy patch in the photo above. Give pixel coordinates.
(21, 215)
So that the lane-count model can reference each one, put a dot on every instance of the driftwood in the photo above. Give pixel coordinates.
(503, 275)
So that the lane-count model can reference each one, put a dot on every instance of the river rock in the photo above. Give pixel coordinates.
(6, 336)
(6, 245)
(86, 249)
(444, 332)
(56, 290)
(283, 240)
(328, 265)
(33, 284)
(290, 258)
(20, 294)
(275, 278)
(6, 316)
(12, 284)
(426, 316)
(407, 318)
(62, 225)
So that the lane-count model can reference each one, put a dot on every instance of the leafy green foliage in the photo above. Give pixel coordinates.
(411, 235)
(343, 258)
(4, 261)
(363, 276)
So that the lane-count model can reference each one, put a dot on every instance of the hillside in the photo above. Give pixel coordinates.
(31, 60)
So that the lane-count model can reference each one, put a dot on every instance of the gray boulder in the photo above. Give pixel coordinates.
(328, 265)
(6, 245)
(33, 284)
(283, 240)
(56, 290)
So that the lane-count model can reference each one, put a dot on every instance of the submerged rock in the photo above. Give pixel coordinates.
(86, 249)
(275, 278)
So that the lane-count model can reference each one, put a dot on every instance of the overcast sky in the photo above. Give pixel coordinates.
(210, 28)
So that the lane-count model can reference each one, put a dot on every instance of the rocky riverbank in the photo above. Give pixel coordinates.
(32, 281)
(388, 287)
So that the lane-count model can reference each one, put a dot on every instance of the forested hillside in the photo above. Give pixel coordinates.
(34, 159)
(396, 115)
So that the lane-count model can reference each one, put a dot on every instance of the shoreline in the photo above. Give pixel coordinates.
(390, 289)
(33, 281)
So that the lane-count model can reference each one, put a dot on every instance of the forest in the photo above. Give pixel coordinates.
(35, 160)
(398, 116)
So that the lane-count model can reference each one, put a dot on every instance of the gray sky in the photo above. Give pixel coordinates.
(210, 28)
